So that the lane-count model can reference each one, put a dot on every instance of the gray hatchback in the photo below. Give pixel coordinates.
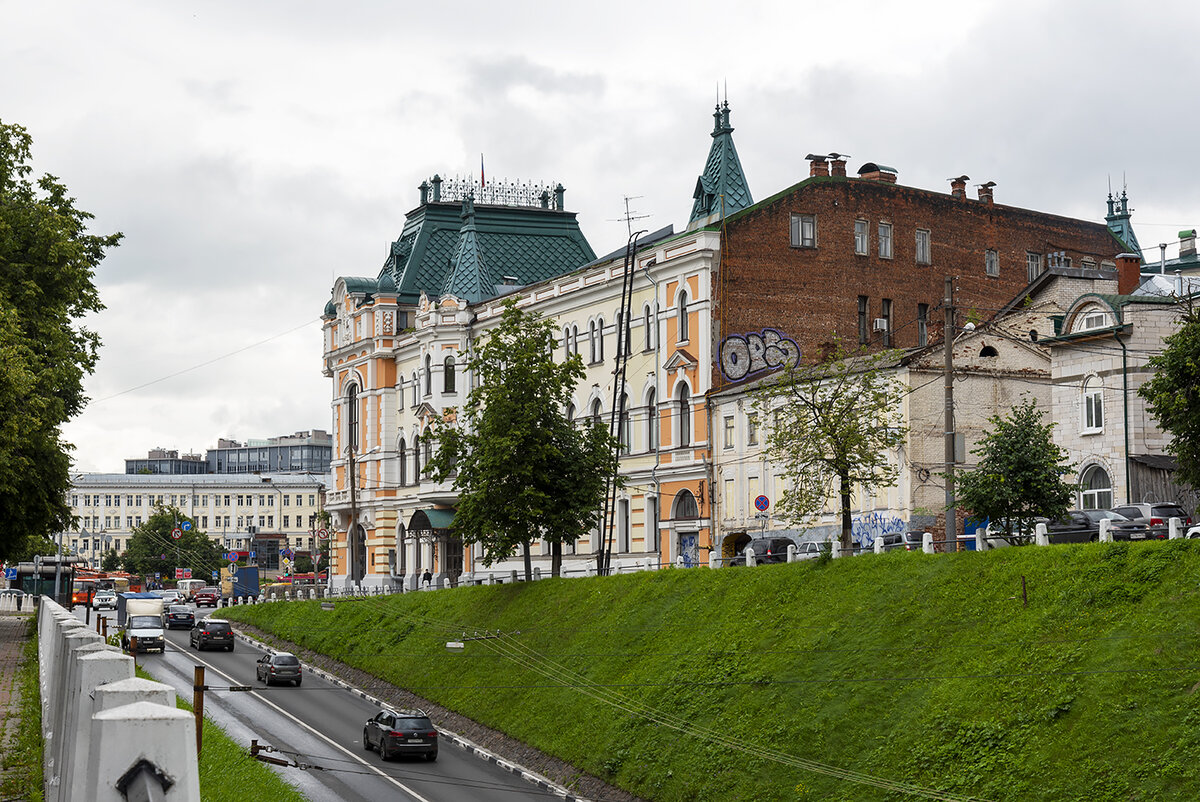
(279, 667)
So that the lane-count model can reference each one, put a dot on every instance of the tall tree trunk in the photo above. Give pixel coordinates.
(847, 523)
(528, 562)
(556, 558)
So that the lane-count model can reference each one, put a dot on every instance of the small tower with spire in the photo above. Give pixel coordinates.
(1118, 219)
(722, 188)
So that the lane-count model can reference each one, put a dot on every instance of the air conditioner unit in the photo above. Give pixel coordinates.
(880, 324)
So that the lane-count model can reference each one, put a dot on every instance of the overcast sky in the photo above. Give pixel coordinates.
(252, 151)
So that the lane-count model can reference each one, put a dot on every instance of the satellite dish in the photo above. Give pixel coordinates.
(968, 327)
(1033, 335)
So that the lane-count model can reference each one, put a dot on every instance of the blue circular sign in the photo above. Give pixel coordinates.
(232, 556)
(762, 503)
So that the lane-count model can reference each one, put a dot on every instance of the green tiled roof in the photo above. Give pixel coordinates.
(1119, 223)
(528, 243)
(722, 175)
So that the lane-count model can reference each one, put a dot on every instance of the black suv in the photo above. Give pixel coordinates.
(766, 550)
(212, 633)
(407, 732)
(1083, 526)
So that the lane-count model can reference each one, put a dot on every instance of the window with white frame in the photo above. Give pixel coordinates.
(1095, 489)
(804, 231)
(651, 421)
(991, 262)
(1093, 405)
(862, 245)
(685, 416)
(624, 523)
(728, 438)
(648, 327)
(885, 240)
(752, 429)
(592, 342)
(1092, 319)
(681, 318)
(1033, 265)
(924, 254)
(730, 499)
(625, 428)
(448, 375)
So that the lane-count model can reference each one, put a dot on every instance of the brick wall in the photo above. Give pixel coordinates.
(811, 293)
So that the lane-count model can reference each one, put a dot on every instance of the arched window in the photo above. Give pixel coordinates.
(352, 416)
(574, 339)
(1095, 489)
(685, 416)
(624, 431)
(403, 451)
(628, 332)
(591, 341)
(416, 459)
(400, 392)
(648, 327)
(428, 375)
(600, 340)
(597, 410)
(571, 412)
(682, 317)
(448, 375)
(1092, 405)
(416, 390)
(567, 343)
(427, 444)
(652, 421)
(686, 508)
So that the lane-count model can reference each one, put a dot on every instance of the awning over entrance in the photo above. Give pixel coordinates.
(430, 520)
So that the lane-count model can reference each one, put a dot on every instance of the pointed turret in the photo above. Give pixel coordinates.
(722, 188)
(1119, 223)
(468, 278)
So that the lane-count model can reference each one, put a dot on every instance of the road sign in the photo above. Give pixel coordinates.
(252, 555)
(187, 573)
(231, 556)
(187, 526)
(762, 503)
(216, 574)
(233, 569)
(10, 573)
(177, 533)
(179, 573)
(323, 534)
(287, 554)
(157, 575)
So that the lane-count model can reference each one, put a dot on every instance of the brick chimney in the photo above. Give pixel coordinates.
(985, 192)
(958, 187)
(1129, 273)
(877, 172)
(837, 166)
(817, 165)
(1187, 244)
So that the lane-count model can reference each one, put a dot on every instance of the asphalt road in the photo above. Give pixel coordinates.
(320, 724)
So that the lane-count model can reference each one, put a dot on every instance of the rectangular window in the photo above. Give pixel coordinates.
(922, 324)
(752, 430)
(804, 231)
(752, 491)
(991, 262)
(270, 501)
(262, 520)
(885, 310)
(287, 521)
(1033, 265)
(728, 431)
(270, 521)
(730, 512)
(861, 236)
(311, 502)
(923, 252)
(286, 500)
(863, 335)
(204, 522)
(885, 240)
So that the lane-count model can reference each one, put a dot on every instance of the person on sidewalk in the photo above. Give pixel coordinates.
(427, 579)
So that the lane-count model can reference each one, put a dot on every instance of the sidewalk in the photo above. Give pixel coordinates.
(13, 634)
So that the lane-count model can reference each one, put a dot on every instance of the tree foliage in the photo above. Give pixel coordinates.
(1019, 476)
(521, 469)
(152, 549)
(1173, 393)
(833, 428)
(47, 262)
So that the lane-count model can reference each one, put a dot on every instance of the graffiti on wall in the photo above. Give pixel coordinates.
(744, 355)
(866, 528)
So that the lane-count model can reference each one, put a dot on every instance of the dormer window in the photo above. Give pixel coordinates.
(1093, 320)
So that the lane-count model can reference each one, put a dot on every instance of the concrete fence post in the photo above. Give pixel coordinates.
(537, 573)
(793, 553)
(124, 736)
(513, 577)
(835, 547)
(751, 557)
(1040, 535)
(981, 539)
(95, 669)
(714, 561)
(1105, 531)
(1174, 529)
(878, 548)
(927, 542)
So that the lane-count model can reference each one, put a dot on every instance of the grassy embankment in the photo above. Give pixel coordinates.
(912, 668)
(22, 762)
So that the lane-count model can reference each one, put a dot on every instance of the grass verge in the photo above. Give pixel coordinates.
(919, 674)
(22, 763)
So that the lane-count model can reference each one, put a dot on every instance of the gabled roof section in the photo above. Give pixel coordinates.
(468, 277)
(722, 188)
(437, 250)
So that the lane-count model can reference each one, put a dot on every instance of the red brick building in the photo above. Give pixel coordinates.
(865, 259)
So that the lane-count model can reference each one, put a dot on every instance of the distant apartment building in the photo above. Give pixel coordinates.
(302, 452)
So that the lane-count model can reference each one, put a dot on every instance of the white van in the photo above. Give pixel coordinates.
(188, 587)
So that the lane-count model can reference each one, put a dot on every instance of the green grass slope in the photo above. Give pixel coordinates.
(880, 677)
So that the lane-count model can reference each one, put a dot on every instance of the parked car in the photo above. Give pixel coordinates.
(207, 597)
(808, 550)
(104, 600)
(914, 541)
(279, 667)
(408, 732)
(1083, 526)
(212, 633)
(170, 596)
(1155, 514)
(180, 616)
(766, 550)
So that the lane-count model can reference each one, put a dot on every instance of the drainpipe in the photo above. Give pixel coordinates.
(657, 434)
(1125, 412)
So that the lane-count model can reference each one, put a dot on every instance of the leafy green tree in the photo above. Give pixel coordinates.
(47, 262)
(152, 549)
(522, 470)
(834, 428)
(111, 561)
(1173, 393)
(1019, 476)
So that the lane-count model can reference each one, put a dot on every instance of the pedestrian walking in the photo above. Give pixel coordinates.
(20, 600)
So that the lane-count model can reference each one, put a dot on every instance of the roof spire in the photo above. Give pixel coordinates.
(469, 277)
(1119, 223)
(722, 188)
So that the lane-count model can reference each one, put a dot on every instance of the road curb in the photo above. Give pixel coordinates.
(462, 742)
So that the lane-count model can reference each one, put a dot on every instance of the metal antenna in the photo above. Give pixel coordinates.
(629, 215)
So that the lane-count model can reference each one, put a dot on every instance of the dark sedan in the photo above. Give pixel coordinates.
(1083, 526)
(180, 617)
(212, 633)
(409, 732)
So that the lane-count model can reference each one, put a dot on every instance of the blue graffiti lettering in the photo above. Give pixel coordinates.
(866, 528)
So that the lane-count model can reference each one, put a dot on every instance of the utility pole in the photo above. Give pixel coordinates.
(352, 532)
(951, 519)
